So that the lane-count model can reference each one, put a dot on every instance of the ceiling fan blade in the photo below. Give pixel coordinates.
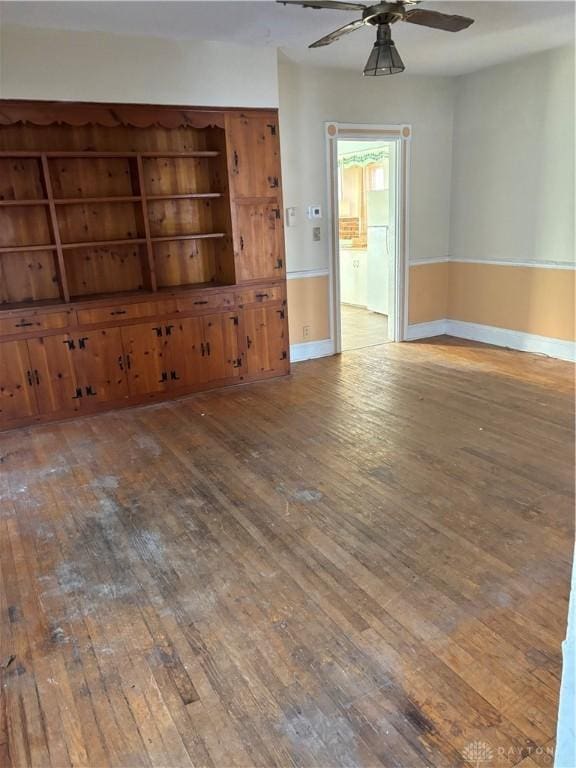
(437, 20)
(335, 5)
(338, 33)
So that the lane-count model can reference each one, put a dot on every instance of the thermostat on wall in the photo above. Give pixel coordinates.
(314, 212)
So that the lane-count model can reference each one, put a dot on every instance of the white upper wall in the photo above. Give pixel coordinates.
(99, 66)
(513, 163)
(501, 188)
(309, 97)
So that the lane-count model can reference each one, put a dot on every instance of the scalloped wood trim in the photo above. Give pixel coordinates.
(107, 115)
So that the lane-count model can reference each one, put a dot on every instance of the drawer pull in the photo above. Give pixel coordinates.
(23, 324)
(261, 295)
(200, 302)
(118, 312)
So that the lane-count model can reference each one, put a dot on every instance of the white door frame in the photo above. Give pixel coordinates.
(401, 134)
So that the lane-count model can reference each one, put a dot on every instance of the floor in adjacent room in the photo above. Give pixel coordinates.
(366, 563)
(362, 328)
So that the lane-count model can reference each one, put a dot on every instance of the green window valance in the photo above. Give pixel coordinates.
(363, 158)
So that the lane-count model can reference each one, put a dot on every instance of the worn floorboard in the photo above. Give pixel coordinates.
(364, 564)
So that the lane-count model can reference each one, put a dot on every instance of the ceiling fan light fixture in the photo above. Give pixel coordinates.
(384, 59)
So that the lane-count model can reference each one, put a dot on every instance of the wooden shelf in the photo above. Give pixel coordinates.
(191, 287)
(102, 243)
(205, 236)
(24, 248)
(90, 200)
(198, 153)
(83, 298)
(30, 304)
(89, 154)
(191, 196)
(4, 203)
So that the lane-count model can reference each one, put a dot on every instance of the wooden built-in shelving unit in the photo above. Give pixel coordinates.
(118, 222)
(139, 218)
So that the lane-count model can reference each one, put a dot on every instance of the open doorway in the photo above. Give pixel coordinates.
(367, 215)
(385, 275)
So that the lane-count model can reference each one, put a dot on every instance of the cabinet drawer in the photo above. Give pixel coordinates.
(209, 301)
(260, 295)
(34, 322)
(126, 311)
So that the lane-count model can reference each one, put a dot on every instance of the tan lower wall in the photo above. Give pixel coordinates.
(527, 299)
(428, 292)
(309, 307)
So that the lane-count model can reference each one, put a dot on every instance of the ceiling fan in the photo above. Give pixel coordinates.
(384, 58)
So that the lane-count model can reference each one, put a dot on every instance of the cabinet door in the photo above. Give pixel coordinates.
(223, 359)
(186, 353)
(52, 363)
(259, 242)
(145, 349)
(100, 366)
(253, 154)
(266, 340)
(17, 398)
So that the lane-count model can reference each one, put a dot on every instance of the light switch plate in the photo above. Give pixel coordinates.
(291, 216)
(316, 234)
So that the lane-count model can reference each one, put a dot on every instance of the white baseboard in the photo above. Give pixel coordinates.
(426, 330)
(504, 337)
(500, 337)
(310, 349)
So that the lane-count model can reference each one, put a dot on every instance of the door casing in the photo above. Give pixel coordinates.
(402, 134)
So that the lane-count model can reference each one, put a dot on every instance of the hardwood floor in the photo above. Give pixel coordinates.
(364, 564)
(362, 328)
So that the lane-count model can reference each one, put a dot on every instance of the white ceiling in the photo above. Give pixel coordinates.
(502, 30)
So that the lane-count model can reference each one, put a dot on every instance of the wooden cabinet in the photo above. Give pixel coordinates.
(223, 359)
(141, 254)
(259, 243)
(100, 366)
(253, 154)
(72, 372)
(266, 340)
(182, 354)
(33, 321)
(54, 373)
(186, 352)
(17, 397)
(145, 357)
